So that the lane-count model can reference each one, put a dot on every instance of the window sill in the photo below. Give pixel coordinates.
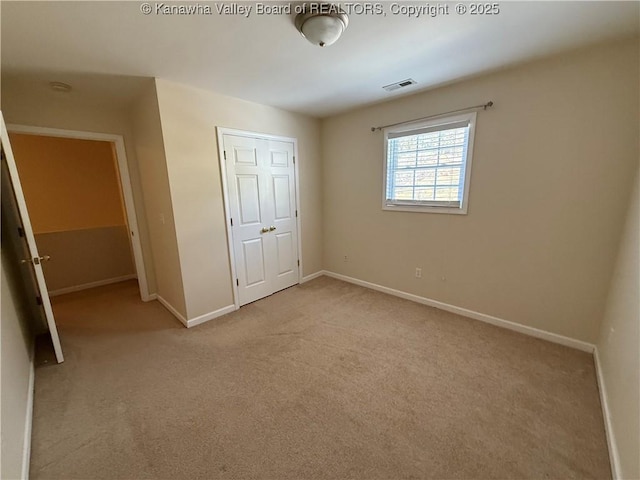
(425, 209)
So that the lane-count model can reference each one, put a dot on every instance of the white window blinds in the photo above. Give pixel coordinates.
(427, 165)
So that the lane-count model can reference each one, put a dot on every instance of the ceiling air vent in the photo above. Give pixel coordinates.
(400, 84)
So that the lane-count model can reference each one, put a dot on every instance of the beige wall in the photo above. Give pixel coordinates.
(86, 257)
(23, 105)
(69, 184)
(15, 371)
(157, 197)
(189, 119)
(552, 169)
(619, 345)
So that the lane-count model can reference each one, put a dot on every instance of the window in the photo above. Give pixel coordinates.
(428, 165)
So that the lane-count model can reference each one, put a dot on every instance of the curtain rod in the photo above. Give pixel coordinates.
(476, 107)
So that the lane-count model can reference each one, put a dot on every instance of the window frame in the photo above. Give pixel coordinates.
(430, 206)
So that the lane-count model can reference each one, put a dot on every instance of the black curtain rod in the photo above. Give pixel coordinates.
(468, 109)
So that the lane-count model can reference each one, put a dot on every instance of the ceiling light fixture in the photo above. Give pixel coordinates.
(322, 24)
(60, 87)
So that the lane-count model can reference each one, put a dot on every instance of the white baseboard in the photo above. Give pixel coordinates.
(210, 316)
(85, 286)
(197, 320)
(150, 297)
(175, 312)
(28, 423)
(498, 322)
(313, 276)
(614, 457)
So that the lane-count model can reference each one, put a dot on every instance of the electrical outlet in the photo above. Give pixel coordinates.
(346, 259)
(418, 273)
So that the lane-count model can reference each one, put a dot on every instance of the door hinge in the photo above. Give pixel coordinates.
(237, 282)
(294, 159)
(39, 300)
(296, 213)
(232, 222)
(21, 231)
(224, 154)
(298, 262)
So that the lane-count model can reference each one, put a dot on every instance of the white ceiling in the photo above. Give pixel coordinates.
(264, 59)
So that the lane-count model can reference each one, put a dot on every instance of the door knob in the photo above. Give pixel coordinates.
(272, 228)
(264, 230)
(36, 260)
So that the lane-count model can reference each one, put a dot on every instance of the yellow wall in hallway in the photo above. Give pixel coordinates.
(69, 184)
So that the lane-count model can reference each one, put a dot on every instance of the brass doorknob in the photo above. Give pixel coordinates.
(272, 228)
(264, 230)
(38, 260)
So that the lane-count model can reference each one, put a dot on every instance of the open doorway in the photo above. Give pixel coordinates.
(78, 193)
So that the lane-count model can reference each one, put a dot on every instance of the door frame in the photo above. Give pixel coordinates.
(221, 131)
(125, 184)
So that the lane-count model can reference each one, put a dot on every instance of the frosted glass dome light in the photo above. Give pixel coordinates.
(322, 26)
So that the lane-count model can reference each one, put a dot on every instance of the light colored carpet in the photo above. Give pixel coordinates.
(324, 380)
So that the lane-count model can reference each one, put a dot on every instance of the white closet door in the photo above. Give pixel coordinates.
(261, 189)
